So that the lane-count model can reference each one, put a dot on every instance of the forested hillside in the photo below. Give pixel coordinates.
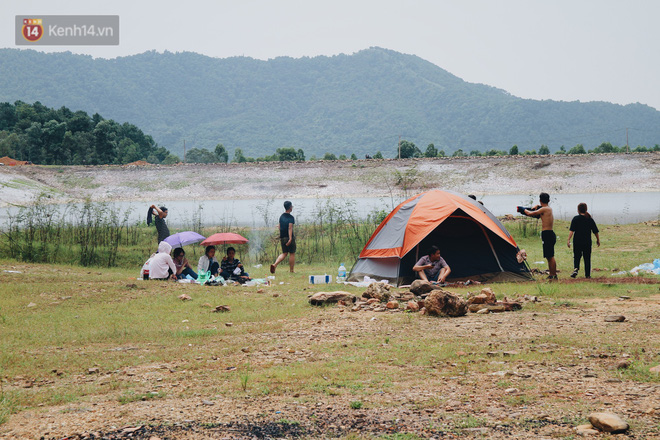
(43, 135)
(342, 104)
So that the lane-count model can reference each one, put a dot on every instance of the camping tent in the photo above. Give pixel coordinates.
(471, 239)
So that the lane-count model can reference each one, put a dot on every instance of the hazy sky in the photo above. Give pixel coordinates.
(587, 50)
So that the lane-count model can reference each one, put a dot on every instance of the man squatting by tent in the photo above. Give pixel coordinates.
(432, 267)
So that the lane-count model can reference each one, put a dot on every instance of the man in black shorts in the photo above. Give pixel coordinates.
(287, 238)
(548, 237)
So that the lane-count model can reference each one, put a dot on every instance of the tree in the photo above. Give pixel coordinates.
(342, 157)
(378, 155)
(606, 147)
(561, 150)
(354, 157)
(431, 151)
(329, 156)
(544, 150)
(199, 155)
(171, 159)
(221, 153)
(441, 153)
(476, 153)
(238, 156)
(513, 151)
(408, 150)
(578, 149)
(458, 153)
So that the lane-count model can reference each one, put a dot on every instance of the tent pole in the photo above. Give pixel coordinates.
(490, 243)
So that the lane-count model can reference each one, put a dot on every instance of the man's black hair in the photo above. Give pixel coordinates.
(162, 208)
(287, 205)
(544, 198)
(178, 251)
(433, 250)
(472, 196)
(230, 249)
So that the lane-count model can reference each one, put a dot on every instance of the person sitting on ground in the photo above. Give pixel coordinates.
(231, 268)
(183, 267)
(432, 267)
(161, 266)
(207, 262)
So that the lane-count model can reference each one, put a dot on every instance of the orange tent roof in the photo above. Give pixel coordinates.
(418, 216)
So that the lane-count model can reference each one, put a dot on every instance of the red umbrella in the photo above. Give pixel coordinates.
(224, 238)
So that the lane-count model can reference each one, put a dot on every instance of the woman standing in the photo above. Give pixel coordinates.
(582, 226)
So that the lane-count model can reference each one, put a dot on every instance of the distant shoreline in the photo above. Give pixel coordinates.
(528, 175)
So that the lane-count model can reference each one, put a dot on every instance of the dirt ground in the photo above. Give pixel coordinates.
(514, 387)
(607, 173)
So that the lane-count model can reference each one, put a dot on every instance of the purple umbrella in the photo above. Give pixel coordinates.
(181, 239)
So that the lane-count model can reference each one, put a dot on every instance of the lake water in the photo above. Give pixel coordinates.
(608, 208)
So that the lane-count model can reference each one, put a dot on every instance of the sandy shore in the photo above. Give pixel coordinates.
(604, 173)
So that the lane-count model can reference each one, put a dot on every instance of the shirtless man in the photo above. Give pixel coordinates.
(548, 237)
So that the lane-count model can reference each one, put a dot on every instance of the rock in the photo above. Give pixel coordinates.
(475, 308)
(419, 287)
(219, 309)
(442, 302)
(322, 298)
(608, 422)
(483, 311)
(228, 324)
(407, 297)
(372, 301)
(622, 365)
(208, 403)
(585, 430)
(380, 291)
(511, 391)
(485, 297)
(260, 291)
(510, 306)
(412, 306)
(93, 370)
(245, 349)
(615, 318)
(32, 305)
(655, 369)
(185, 297)
(392, 305)
(275, 295)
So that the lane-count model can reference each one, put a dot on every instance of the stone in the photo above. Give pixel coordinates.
(380, 291)
(372, 301)
(220, 309)
(275, 295)
(483, 311)
(392, 305)
(420, 287)
(185, 297)
(608, 422)
(93, 370)
(655, 369)
(412, 306)
(32, 305)
(511, 391)
(322, 298)
(228, 324)
(585, 430)
(615, 318)
(442, 302)
(485, 297)
(622, 365)
(208, 403)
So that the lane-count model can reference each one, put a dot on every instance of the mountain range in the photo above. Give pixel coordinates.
(344, 104)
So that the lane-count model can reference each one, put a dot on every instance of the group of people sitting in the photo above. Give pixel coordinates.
(162, 266)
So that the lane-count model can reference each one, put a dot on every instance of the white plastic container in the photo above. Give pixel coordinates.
(320, 279)
(341, 273)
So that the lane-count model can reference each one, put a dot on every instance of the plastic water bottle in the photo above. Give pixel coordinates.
(341, 273)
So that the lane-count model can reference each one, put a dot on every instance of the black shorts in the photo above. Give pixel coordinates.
(290, 248)
(548, 238)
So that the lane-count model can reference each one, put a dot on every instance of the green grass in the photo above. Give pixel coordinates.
(105, 318)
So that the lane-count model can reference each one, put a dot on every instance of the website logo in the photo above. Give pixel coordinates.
(32, 29)
(67, 30)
